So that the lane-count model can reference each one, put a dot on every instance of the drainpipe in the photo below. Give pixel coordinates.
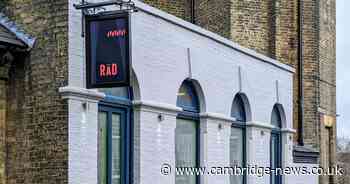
(301, 74)
(193, 18)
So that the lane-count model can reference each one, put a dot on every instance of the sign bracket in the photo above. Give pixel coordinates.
(88, 8)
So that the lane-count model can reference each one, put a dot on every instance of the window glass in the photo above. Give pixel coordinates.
(274, 158)
(115, 148)
(120, 92)
(185, 149)
(102, 147)
(238, 111)
(236, 153)
(109, 129)
(276, 118)
(187, 97)
(276, 145)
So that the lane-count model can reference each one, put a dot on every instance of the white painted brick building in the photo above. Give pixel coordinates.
(166, 51)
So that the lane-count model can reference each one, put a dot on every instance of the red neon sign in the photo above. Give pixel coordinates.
(116, 33)
(108, 70)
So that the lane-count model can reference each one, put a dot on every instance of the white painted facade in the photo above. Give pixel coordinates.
(167, 50)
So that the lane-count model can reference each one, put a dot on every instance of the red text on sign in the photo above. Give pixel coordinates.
(108, 70)
(116, 33)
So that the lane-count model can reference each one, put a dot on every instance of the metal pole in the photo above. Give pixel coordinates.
(85, 6)
(301, 76)
(193, 19)
(96, 5)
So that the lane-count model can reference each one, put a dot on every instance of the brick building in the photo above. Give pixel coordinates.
(49, 139)
(34, 133)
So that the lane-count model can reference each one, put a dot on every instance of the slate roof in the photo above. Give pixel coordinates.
(12, 34)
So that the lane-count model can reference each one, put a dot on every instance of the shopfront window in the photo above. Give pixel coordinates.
(186, 148)
(237, 139)
(116, 148)
(102, 146)
(187, 133)
(114, 137)
(276, 145)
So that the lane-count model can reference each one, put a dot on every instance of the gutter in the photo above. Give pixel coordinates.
(301, 75)
(193, 16)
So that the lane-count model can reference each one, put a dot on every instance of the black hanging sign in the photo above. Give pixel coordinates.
(108, 58)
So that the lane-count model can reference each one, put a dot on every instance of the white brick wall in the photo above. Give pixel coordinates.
(160, 44)
(162, 52)
(218, 148)
(258, 149)
(82, 134)
(153, 139)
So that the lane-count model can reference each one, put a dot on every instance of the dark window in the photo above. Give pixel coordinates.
(186, 148)
(237, 139)
(187, 97)
(237, 152)
(187, 133)
(276, 145)
(102, 146)
(114, 137)
(276, 120)
(238, 110)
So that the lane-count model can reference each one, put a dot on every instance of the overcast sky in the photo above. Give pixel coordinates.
(343, 67)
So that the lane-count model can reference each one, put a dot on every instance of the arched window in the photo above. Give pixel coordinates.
(237, 138)
(276, 144)
(187, 97)
(238, 110)
(187, 132)
(276, 119)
